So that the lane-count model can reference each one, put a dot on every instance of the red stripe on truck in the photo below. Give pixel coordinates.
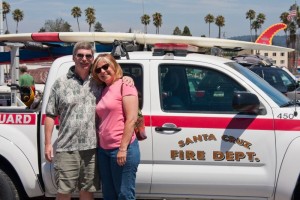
(214, 122)
(46, 37)
(228, 123)
(219, 122)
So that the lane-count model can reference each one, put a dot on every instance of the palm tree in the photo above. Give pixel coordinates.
(261, 19)
(157, 21)
(18, 16)
(6, 10)
(220, 22)
(284, 19)
(255, 25)
(209, 19)
(145, 19)
(76, 13)
(90, 16)
(250, 14)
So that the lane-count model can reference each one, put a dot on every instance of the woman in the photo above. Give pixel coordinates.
(118, 153)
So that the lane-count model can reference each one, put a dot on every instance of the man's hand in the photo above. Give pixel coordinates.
(48, 152)
(128, 80)
(49, 124)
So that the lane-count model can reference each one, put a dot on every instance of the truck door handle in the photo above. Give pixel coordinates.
(167, 129)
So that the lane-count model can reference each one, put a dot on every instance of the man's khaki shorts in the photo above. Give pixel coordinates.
(76, 170)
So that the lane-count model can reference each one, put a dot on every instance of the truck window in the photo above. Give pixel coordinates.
(135, 71)
(193, 89)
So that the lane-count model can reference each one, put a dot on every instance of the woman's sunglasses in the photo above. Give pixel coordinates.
(88, 56)
(104, 67)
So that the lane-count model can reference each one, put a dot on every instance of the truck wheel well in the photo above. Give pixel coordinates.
(11, 172)
(296, 193)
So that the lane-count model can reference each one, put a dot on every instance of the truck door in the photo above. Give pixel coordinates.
(58, 68)
(139, 71)
(201, 146)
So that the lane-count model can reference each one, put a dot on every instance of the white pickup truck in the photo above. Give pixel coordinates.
(215, 131)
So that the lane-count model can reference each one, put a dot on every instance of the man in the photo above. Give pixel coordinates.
(25, 79)
(73, 98)
(27, 87)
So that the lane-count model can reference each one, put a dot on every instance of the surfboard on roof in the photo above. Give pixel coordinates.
(140, 38)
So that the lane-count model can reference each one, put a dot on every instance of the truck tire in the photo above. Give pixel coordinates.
(8, 190)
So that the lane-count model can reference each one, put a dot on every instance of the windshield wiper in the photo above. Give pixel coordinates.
(290, 103)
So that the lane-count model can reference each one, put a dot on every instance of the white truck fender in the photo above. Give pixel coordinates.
(22, 166)
(289, 171)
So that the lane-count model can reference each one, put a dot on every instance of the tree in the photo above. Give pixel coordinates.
(186, 31)
(42, 29)
(261, 18)
(90, 17)
(220, 22)
(130, 30)
(76, 13)
(177, 31)
(98, 27)
(157, 21)
(58, 25)
(145, 19)
(255, 25)
(6, 10)
(209, 19)
(284, 19)
(18, 16)
(250, 14)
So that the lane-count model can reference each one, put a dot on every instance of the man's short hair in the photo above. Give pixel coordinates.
(23, 68)
(83, 45)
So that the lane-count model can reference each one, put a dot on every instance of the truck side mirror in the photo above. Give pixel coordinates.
(245, 102)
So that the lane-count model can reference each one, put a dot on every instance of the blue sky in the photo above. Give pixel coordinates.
(120, 15)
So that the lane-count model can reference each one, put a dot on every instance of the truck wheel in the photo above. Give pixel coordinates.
(8, 190)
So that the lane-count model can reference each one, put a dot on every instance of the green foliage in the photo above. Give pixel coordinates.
(186, 31)
(90, 16)
(177, 31)
(220, 22)
(209, 19)
(98, 27)
(18, 15)
(58, 25)
(157, 21)
(145, 19)
(6, 10)
(76, 13)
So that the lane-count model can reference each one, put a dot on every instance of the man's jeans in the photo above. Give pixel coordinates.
(118, 182)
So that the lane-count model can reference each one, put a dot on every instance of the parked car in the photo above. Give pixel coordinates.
(277, 77)
(248, 60)
(294, 95)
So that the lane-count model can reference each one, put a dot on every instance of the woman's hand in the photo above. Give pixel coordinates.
(121, 157)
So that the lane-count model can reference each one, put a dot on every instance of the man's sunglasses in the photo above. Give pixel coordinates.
(104, 67)
(88, 56)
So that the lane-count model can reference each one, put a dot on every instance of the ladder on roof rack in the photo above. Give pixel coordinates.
(15, 61)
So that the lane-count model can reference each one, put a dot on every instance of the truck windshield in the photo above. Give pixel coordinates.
(273, 93)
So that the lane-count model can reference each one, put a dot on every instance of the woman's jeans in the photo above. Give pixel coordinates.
(118, 182)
